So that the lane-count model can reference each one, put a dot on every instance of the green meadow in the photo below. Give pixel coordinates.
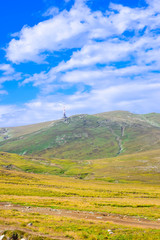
(48, 187)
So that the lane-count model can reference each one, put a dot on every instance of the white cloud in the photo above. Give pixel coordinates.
(3, 92)
(154, 4)
(49, 35)
(7, 73)
(53, 11)
(68, 29)
(7, 69)
(78, 28)
(118, 57)
(75, 28)
(141, 49)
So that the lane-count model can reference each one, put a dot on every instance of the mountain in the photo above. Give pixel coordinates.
(85, 136)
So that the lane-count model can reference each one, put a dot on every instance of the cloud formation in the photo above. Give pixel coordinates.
(77, 27)
(7, 69)
(7, 73)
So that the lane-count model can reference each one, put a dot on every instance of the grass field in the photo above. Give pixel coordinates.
(138, 200)
(86, 195)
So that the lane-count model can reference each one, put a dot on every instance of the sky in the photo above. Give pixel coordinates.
(89, 56)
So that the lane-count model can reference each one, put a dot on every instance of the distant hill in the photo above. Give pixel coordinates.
(81, 137)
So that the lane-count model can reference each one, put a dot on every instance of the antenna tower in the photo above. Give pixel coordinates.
(64, 113)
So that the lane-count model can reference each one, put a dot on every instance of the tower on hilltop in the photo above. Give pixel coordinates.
(64, 113)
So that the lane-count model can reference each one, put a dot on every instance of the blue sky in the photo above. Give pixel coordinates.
(91, 56)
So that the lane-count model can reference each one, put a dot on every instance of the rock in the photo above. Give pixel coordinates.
(8, 205)
(110, 231)
(29, 224)
(14, 237)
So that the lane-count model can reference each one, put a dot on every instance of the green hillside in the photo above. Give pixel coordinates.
(142, 167)
(85, 136)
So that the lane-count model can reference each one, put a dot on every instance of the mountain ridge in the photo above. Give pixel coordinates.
(84, 136)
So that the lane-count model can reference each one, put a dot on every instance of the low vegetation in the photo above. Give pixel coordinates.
(70, 175)
(141, 167)
(140, 200)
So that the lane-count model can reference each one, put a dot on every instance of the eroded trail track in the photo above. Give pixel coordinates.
(94, 216)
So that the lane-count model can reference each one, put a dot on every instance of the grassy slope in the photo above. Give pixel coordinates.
(28, 129)
(129, 199)
(10, 132)
(141, 167)
(87, 136)
(78, 138)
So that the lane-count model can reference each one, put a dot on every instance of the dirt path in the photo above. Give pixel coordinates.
(118, 139)
(105, 217)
